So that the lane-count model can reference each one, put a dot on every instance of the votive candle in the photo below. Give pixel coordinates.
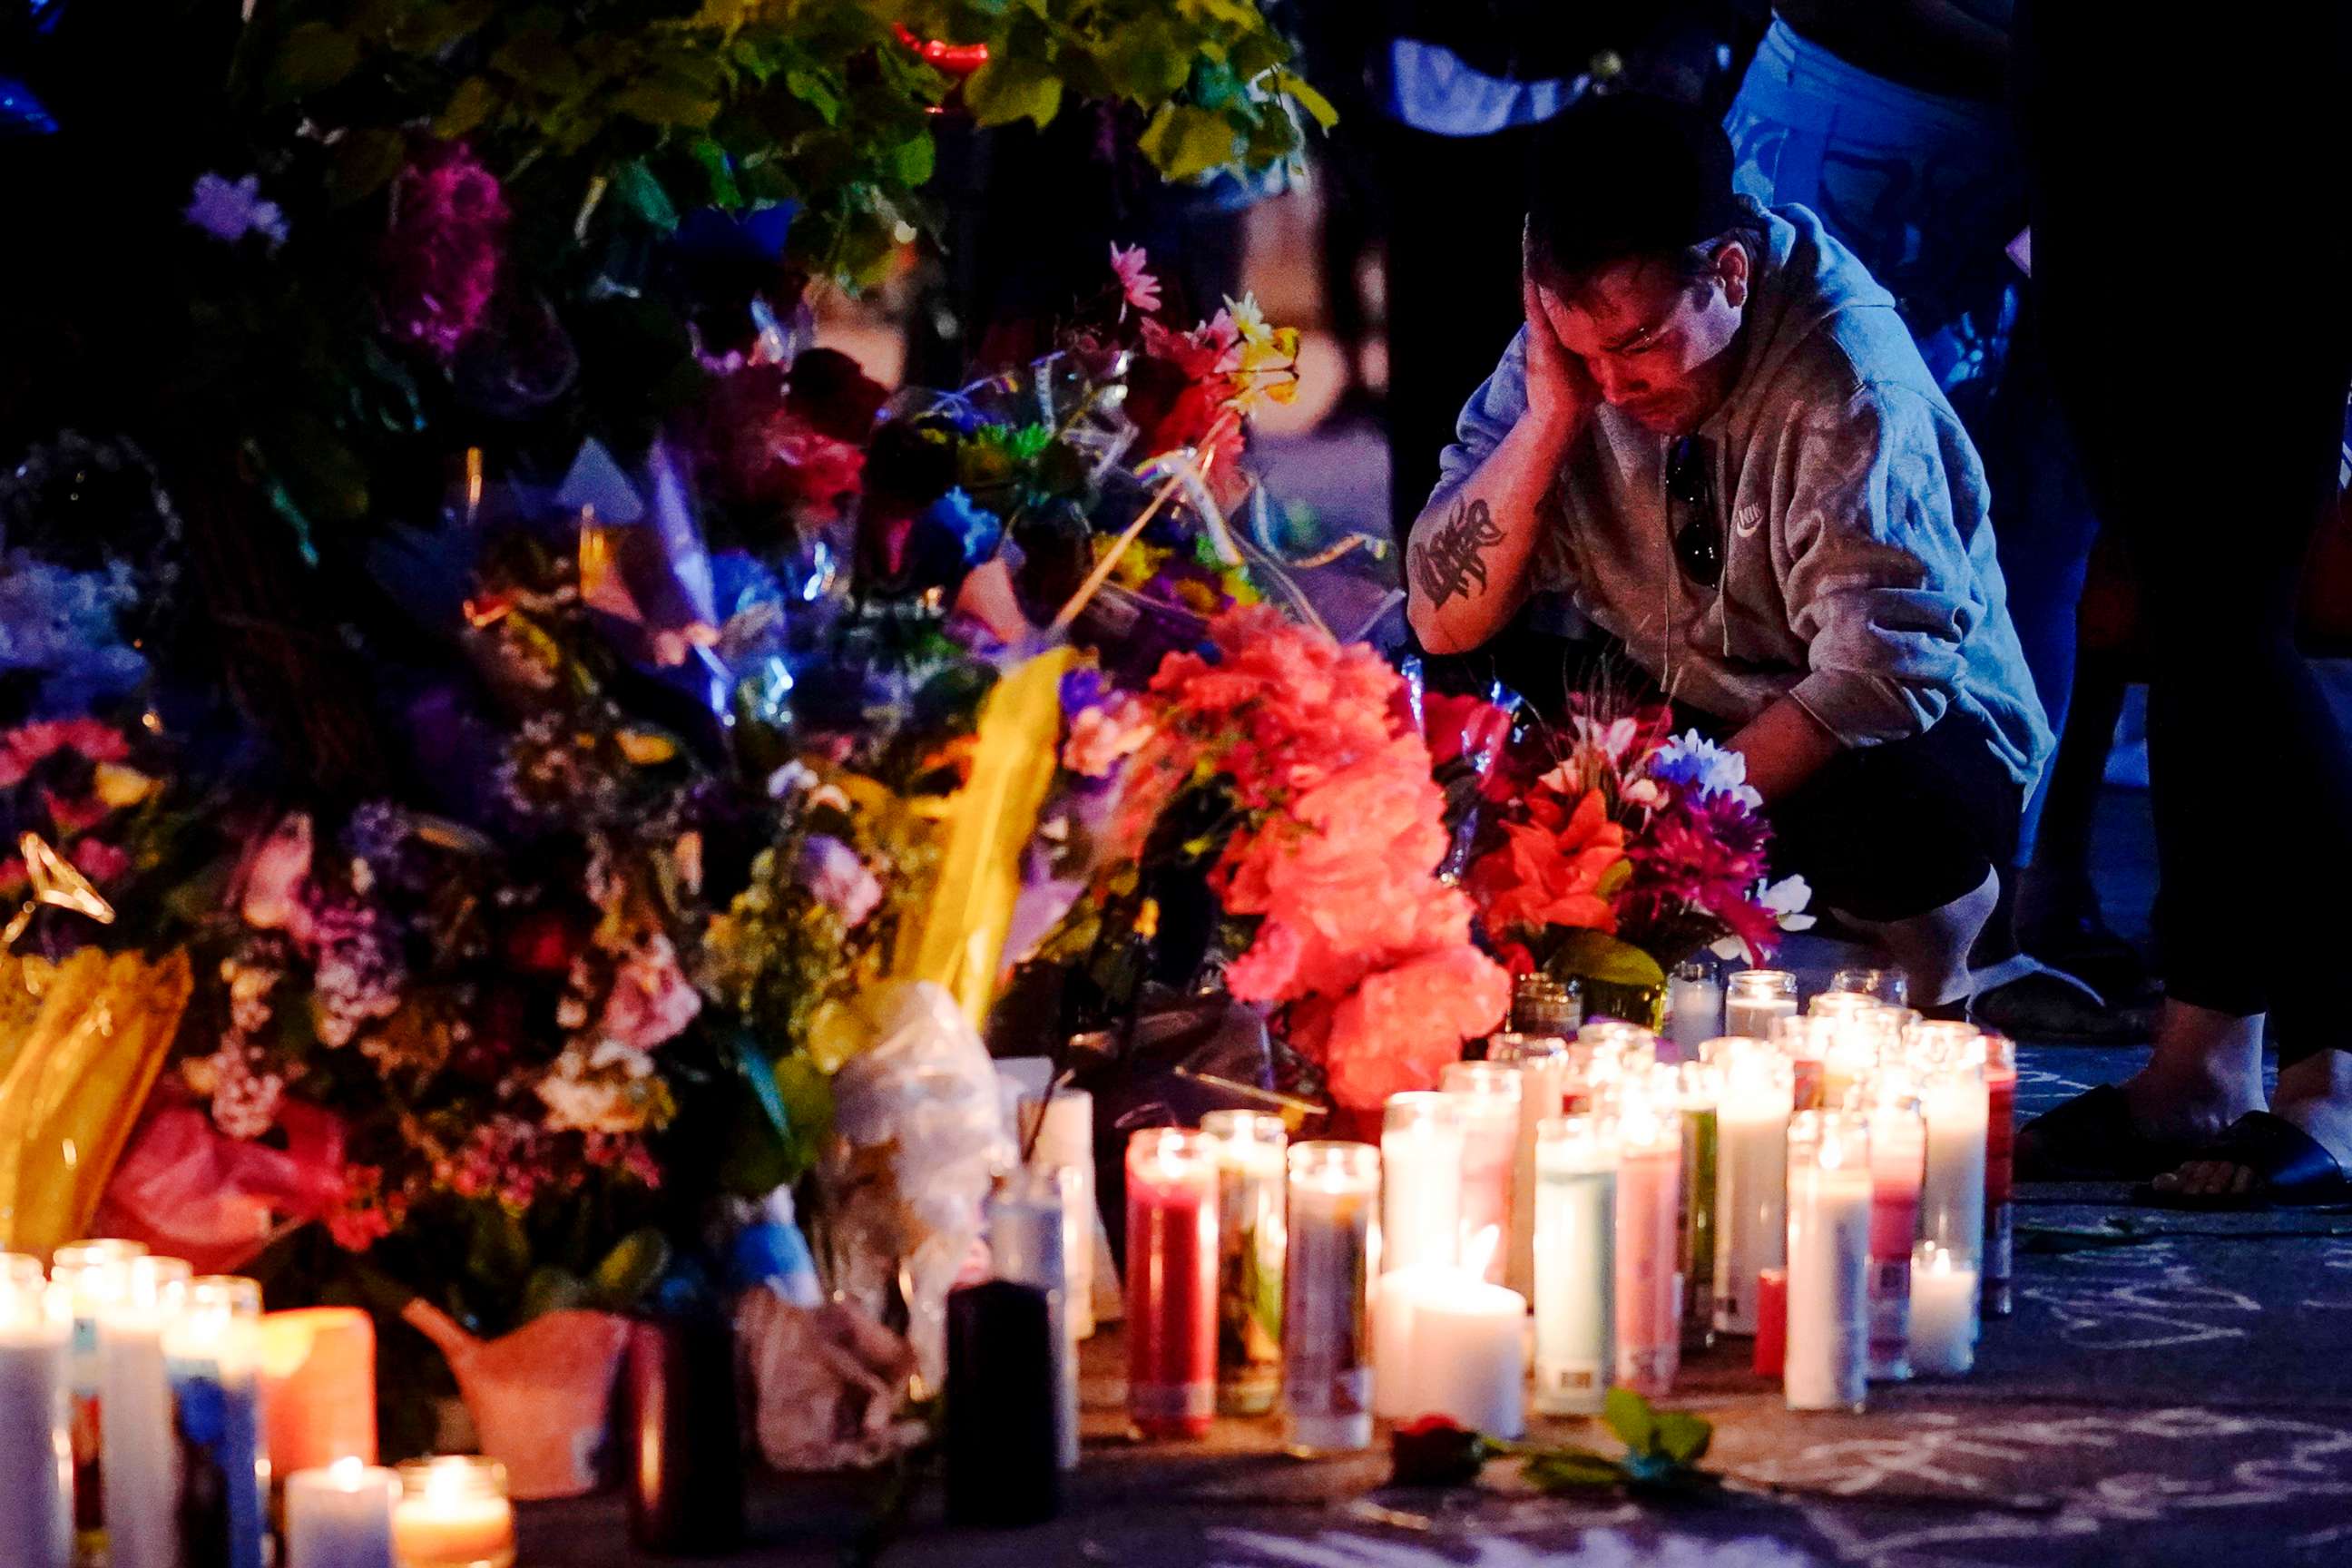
(1830, 1191)
(1805, 1040)
(35, 1450)
(1943, 1312)
(141, 1452)
(1750, 1180)
(1487, 1098)
(2001, 1146)
(85, 1271)
(1576, 1236)
(1026, 1235)
(1648, 1265)
(1698, 1090)
(340, 1516)
(1171, 1281)
(1898, 1153)
(1421, 1181)
(1693, 1007)
(1250, 1248)
(1952, 1198)
(1756, 999)
(318, 1368)
(453, 1513)
(1543, 1065)
(1064, 1123)
(1326, 1349)
(1469, 1349)
(1890, 986)
(212, 1353)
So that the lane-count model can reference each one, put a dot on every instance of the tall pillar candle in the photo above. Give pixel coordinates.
(1326, 1349)
(318, 1368)
(1171, 1281)
(1576, 1277)
(1026, 1234)
(35, 1448)
(1060, 1129)
(1421, 1182)
(1952, 1198)
(212, 1352)
(1487, 1098)
(1698, 1090)
(1828, 1359)
(1649, 1268)
(1898, 1152)
(1693, 1007)
(1805, 1041)
(85, 1271)
(1943, 1313)
(1756, 999)
(2000, 1146)
(139, 1452)
(1469, 1351)
(1750, 1180)
(1543, 1066)
(340, 1516)
(1250, 1249)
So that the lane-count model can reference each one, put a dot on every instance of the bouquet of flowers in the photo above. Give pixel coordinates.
(1634, 850)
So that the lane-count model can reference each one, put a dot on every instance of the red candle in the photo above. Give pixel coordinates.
(1771, 1322)
(1171, 1281)
(2000, 1137)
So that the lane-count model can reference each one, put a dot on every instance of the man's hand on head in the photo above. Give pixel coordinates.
(1562, 393)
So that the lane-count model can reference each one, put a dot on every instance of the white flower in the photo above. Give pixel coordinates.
(1787, 899)
(1693, 760)
(228, 211)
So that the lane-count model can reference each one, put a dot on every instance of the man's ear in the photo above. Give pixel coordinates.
(1731, 264)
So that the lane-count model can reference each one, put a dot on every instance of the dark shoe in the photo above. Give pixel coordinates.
(2044, 1006)
(2292, 1169)
(2085, 947)
(2091, 1138)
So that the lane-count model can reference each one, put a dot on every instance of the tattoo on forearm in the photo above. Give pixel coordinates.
(1451, 561)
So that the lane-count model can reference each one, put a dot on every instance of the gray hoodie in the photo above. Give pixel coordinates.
(1859, 574)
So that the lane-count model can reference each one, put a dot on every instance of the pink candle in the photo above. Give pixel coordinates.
(1486, 1101)
(1171, 1281)
(1649, 1273)
(2000, 1141)
(1898, 1156)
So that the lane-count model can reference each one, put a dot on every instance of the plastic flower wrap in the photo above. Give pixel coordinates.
(441, 255)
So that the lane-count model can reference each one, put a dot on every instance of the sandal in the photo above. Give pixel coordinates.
(2091, 1138)
(2292, 1169)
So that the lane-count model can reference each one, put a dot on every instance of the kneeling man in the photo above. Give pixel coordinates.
(1715, 435)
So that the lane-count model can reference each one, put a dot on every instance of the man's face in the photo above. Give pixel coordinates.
(1656, 342)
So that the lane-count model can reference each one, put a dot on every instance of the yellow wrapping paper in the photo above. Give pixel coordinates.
(81, 1044)
(960, 940)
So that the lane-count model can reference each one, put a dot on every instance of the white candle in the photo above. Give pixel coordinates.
(89, 1273)
(1648, 1255)
(1470, 1356)
(1543, 1065)
(340, 1516)
(36, 1453)
(1421, 1181)
(1898, 1146)
(1065, 1141)
(1842, 1004)
(1693, 1007)
(453, 1513)
(1828, 1361)
(211, 1350)
(1025, 1237)
(1943, 1312)
(1952, 1200)
(1396, 1390)
(1326, 1363)
(1756, 999)
(1751, 1164)
(1486, 1099)
(141, 1452)
(1576, 1226)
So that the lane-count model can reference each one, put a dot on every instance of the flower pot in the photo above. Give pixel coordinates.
(541, 1397)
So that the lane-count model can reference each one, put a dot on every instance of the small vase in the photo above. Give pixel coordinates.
(540, 1396)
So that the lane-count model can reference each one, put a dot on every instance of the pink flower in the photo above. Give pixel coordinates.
(1399, 1027)
(838, 880)
(1138, 289)
(650, 1001)
(441, 255)
(275, 877)
(26, 747)
(1104, 736)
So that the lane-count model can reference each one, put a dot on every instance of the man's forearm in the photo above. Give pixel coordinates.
(1784, 746)
(1466, 568)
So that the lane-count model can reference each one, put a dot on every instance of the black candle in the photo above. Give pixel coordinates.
(684, 1438)
(1002, 1463)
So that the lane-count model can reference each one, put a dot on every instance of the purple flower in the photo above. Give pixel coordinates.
(229, 210)
(358, 974)
(838, 880)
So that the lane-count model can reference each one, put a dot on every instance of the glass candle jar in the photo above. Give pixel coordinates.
(453, 1513)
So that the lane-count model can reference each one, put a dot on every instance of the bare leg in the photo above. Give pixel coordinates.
(2205, 1072)
(2316, 1094)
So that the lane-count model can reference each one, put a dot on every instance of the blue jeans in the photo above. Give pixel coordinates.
(1926, 190)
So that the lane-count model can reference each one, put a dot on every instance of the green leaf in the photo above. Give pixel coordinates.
(1146, 64)
(499, 1253)
(642, 194)
(1302, 92)
(1007, 88)
(1683, 1436)
(366, 161)
(537, 59)
(1631, 1419)
(913, 160)
(819, 91)
(719, 170)
(1596, 955)
(1570, 1470)
(552, 1290)
(667, 103)
(474, 101)
(316, 55)
(1256, 53)
(1182, 141)
(629, 1272)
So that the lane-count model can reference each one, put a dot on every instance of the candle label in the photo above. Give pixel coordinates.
(219, 1429)
(1697, 1226)
(1328, 1367)
(1249, 1294)
(1890, 1317)
(1999, 1255)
